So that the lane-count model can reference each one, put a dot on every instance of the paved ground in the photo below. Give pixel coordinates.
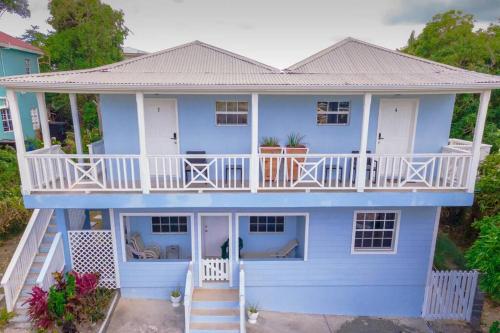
(152, 316)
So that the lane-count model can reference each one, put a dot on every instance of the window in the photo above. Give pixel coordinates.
(231, 113)
(375, 231)
(267, 223)
(27, 66)
(333, 113)
(169, 224)
(6, 120)
(35, 119)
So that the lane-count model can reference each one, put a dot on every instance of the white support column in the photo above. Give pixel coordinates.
(478, 137)
(144, 164)
(44, 119)
(19, 138)
(254, 160)
(76, 123)
(361, 167)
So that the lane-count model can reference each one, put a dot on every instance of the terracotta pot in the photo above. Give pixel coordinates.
(292, 163)
(271, 164)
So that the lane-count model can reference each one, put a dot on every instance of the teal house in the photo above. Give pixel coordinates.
(18, 58)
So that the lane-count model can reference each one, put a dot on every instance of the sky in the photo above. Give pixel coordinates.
(276, 32)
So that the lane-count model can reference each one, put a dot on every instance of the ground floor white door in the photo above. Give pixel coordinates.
(215, 233)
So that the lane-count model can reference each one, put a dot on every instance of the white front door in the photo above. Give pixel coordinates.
(215, 233)
(396, 123)
(161, 126)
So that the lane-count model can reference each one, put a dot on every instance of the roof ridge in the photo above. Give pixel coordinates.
(318, 54)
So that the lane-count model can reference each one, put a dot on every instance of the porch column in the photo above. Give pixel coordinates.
(76, 123)
(19, 138)
(254, 160)
(478, 137)
(44, 119)
(143, 159)
(361, 166)
(61, 220)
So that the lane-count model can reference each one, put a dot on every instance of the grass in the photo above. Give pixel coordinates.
(448, 256)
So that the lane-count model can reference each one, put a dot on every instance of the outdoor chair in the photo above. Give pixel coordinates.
(281, 253)
(369, 162)
(195, 166)
(145, 252)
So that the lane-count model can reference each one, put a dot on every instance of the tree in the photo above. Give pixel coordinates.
(19, 7)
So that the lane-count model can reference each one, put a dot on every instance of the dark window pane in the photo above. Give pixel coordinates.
(156, 228)
(333, 106)
(359, 234)
(183, 219)
(243, 106)
(253, 219)
(271, 227)
(387, 243)
(370, 216)
(369, 224)
(390, 216)
(220, 106)
(174, 219)
(262, 227)
(165, 228)
(221, 119)
(367, 243)
(155, 219)
(242, 119)
(232, 119)
(280, 227)
(253, 227)
(389, 225)
(380, 216)
(174, 228)
(232, 106)
(262, 219)
(344, 106)
(357, 243)
(280, 219)
(322, 119)
(322, 106)
(377, 243)
(183, 228)
(271, 219)
(360, 216)
(387, 234)
(379, 225)
(359, 225)
(343, 119)
(332, 119)
(367, 234)
(377, 234)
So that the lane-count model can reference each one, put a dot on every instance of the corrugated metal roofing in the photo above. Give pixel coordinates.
(12, 42)
(348, 65)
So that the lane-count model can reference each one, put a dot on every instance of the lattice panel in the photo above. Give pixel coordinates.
(92, 251)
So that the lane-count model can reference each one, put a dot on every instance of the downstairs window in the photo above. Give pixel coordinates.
(375, 231)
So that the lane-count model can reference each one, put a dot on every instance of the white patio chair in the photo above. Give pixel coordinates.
(281, 253)
(147, 252)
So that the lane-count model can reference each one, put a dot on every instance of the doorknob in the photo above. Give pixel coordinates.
(380, 136)
(174, 137)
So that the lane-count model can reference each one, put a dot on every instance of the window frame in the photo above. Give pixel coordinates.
(7, 120)
(326, 113)
(170, 232)
(267, 222)
(232, 112)
(27, 66)
(395, 238)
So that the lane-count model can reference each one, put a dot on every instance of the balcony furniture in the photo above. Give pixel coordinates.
(146, 252)
(195, 166)
(172, 252)
(369, 162)
(330, 170)
(231, 168)
(281, 253)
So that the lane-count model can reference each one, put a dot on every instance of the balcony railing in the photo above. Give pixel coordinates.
(52, 171)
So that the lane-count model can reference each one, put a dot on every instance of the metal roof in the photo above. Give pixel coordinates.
(350, 65)
(10, 42)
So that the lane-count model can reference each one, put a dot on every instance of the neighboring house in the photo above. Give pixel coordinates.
(17, 58)
(130, 52)
(182, 196)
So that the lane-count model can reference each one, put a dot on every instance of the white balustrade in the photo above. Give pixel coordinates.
(188, 296)
(215, 269)
(418, 171)
(26, 251)
(307, 171)
(53, 263)
(242, 299)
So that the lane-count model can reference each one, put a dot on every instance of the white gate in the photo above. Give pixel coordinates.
(92, 251)
(215, 269)
(450, 295)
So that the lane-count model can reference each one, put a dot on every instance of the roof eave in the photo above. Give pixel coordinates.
(23, 49)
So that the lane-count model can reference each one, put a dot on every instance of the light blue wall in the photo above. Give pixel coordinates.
(332, 280)
(12, 63)
(278, 116)
(142, 225)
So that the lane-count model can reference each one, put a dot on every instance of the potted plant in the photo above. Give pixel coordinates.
(270, 145)
(253, 314)
(295, 146)
(175, 297)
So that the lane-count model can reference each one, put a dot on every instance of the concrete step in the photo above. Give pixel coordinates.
(52, 228)
(21, 304)
(44, 248)
(215, 319)
(216, 285)
(26, 290)
(215, 295)
(20, 319)
(36, 267)
(48, 237)
(40, 258)
(215, 312)
(214, 327)
(215, 305)
(31, 278)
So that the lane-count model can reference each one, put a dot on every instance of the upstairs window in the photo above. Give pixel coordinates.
(27, 66)
(333, 113)
(231, 113)
(6, 120)
(375, 231)
(267, 224)
(169, 224)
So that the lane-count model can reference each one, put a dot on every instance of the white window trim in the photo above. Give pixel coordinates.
(306, 233)
(333, 112)
(231, 112)
(167, 233)
(397, 226)
(150, 214)
(9, 120)
(27, 65)
(268, 232)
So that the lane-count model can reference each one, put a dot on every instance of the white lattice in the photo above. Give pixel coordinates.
(92, 251)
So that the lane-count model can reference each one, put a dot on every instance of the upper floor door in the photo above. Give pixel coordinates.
(161, 126)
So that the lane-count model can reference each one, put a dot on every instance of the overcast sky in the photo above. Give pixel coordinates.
(276, 32)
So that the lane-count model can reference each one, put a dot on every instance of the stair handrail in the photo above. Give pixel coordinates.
(26, 251)
(242, 298)
(54, 262)
(188, 296)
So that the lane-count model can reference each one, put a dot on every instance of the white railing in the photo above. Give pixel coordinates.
(450, 295)
(464, 146)
(61, 172)
(200, 172)
(26, 251)
(53, 263)
(96, 147)
(307, 171)
(215, 269)
(242, 299)
(418, 171)
(188, 297)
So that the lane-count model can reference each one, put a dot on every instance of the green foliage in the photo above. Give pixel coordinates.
(89, 115)
(483, 255)
(5, 317)
(450, 38)
(56, 302)
(488, 185)
(97, 303)
(495, 327)
(18, 7)
(447, 255)
(269, 142)
(295, 140)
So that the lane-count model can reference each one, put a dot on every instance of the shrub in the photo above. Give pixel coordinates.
(5, 317)
(447, 255)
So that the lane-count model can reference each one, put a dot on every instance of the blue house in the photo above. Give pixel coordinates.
(312, 189)
(16, 58)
